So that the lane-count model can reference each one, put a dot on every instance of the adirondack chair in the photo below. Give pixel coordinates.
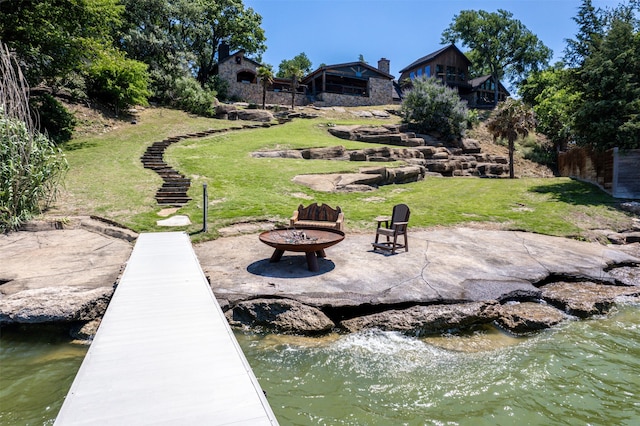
(394, 226)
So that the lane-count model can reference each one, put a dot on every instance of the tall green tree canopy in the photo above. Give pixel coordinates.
(299, 62)
(591, 26)
(53, 38)
(608, 115)
(554, 102)
(180, 37)
(500, 45)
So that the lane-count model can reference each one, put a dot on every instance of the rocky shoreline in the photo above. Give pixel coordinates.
(452, 279)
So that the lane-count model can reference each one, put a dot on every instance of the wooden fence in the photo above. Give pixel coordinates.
(617, 172)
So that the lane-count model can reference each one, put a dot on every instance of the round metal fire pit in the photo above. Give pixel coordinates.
(311, 241)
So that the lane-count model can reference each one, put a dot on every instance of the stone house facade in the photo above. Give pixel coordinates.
(240, 73)
(351, 84)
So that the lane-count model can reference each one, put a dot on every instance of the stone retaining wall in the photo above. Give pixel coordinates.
(380, 93)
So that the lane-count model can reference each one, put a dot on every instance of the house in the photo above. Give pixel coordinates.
(451, 66)
(241, 75)
(350, 84)
(482, 93)
(448, 64)
(357, 83)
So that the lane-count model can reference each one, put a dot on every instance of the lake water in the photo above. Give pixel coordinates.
(582, 373)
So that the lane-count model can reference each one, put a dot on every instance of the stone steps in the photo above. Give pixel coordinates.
(175, 186)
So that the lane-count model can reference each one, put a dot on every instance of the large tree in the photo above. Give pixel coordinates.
(180, 37)
(608, 115)
(300, 62)
(500, 44)
(554, 100)
(591, 28)
(54, 38)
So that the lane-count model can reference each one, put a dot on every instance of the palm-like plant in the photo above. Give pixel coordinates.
(265, 74)
(509, 121)
(295, 73)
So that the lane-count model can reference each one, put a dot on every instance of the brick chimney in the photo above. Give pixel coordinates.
(384, 65)
(223, 51)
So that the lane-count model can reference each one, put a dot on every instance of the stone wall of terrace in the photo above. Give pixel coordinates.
(380, 93)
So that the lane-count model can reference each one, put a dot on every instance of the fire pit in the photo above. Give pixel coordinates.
(310, 241)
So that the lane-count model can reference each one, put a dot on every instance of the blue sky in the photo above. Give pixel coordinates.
(338, 31)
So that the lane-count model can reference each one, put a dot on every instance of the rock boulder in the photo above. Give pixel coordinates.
(280, 315)
(584, 299)
(432, 319)
(525, 317)
(54, 304)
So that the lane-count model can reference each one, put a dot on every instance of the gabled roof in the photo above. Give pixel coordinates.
(233, 55)
(432, 56)
(475, 82)
(348, 64)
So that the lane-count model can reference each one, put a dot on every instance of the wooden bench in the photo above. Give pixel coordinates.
(318, 216)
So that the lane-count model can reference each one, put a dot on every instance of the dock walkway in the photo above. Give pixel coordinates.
(164, 352)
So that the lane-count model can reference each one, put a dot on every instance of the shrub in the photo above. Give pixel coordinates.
(118, 81)
(473, 118)
(431, 106)
(30, 168)
(220, 86)
(30, 164)
(190, 96)
(55, 120)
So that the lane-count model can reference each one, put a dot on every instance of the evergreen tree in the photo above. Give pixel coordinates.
(590, 31)
(608, 115)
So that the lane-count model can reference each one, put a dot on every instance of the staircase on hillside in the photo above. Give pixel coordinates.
(175, 186)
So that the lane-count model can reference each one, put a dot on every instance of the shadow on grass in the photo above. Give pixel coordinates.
(75, 145)
(577, 193)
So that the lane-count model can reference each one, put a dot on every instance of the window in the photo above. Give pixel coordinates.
(427, 70)
(451, 73)
(439, 71)
(419, 72)
(246, 77)
(412, 75)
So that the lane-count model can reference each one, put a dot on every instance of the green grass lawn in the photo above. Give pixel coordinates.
(106, 178)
